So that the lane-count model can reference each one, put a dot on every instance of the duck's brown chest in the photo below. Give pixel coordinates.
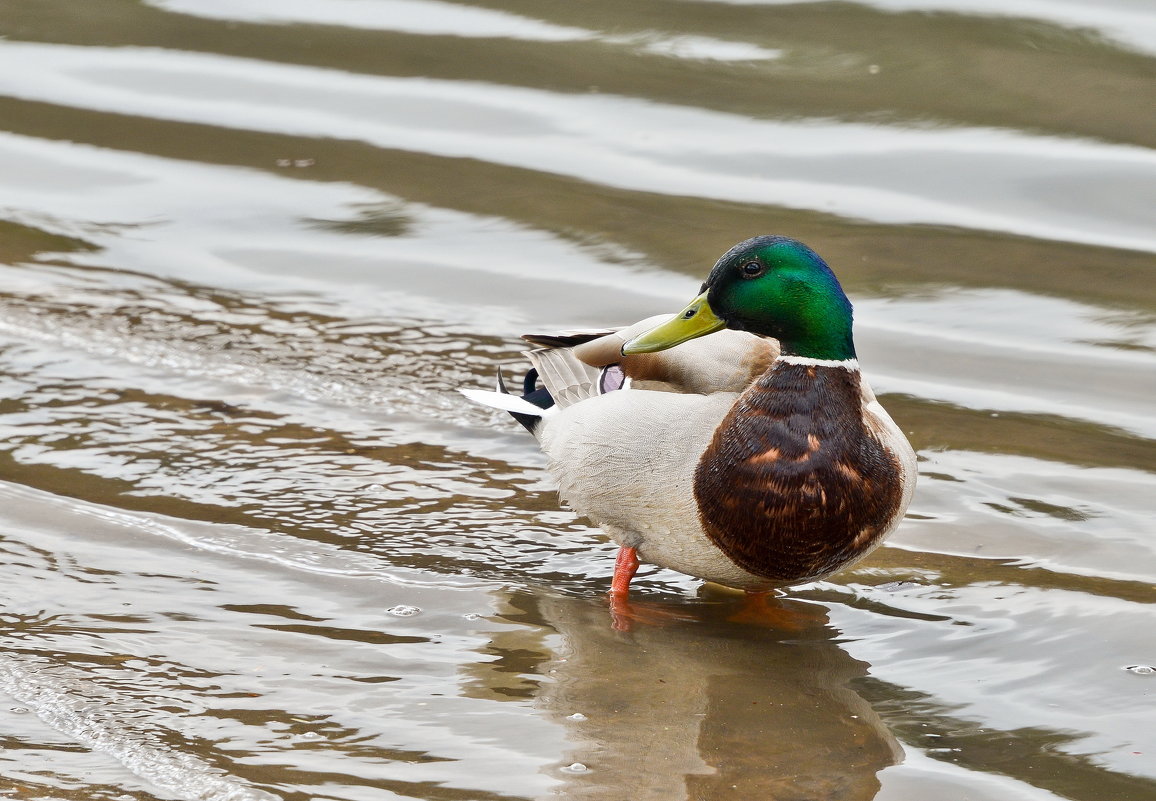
(794, 485)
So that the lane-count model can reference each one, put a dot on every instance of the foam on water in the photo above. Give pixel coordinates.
(86, 712)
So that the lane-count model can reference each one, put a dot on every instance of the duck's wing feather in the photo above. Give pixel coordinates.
(579, 364)
(726, 361)
(567, 339)
(567, 378)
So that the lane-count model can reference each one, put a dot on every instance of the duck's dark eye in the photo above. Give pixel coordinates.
(753, 269)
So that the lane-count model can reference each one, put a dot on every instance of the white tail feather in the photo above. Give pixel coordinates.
(507, 403)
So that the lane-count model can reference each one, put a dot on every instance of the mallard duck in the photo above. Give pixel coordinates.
(736, 441)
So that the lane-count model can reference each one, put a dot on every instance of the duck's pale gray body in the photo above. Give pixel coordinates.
(736, 440)
(627, 459)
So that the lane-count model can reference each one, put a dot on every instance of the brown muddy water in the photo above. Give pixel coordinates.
(255, 546)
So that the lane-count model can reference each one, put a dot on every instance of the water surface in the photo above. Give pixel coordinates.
(257, 547)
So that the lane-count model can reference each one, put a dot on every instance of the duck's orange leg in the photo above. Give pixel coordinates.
(625, 566)
(623, 614)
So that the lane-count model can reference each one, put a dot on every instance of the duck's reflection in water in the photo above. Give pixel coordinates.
(707, 708)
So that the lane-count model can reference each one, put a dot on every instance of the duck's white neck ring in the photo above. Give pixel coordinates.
(846, 364)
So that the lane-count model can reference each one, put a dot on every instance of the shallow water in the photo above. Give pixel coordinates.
(257, 547)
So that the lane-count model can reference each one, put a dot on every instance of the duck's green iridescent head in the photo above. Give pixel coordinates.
(769, 285)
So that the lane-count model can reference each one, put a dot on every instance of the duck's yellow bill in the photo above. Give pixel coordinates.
(696, 320)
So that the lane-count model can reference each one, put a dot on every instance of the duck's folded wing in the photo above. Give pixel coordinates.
(567, 378)
(726, 361)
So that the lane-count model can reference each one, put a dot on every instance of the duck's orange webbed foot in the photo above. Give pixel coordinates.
(764, 609)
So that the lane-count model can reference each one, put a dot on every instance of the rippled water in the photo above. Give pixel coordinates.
(256, 547)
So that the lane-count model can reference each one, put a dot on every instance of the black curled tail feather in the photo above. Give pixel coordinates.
(532, 393)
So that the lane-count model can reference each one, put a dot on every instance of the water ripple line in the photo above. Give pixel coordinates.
(55, 701)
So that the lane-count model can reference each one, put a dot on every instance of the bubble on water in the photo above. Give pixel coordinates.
(472, 616)
(1141, 670)
(375, 488)
(575, 767)
(897, 586)
(19, 710)
(578, 716)
(403, 610)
